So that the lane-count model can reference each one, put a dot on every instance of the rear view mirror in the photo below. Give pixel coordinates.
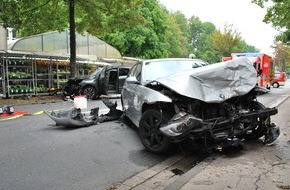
(132, 80)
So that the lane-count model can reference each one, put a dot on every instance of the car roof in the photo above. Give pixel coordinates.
(172, 59)
(117, 66)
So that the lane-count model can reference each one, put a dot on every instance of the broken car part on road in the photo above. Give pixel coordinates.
(75, 118)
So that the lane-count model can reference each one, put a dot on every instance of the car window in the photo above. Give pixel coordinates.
(95, 73)
(131, 72)
(136, 71)
(123, 71)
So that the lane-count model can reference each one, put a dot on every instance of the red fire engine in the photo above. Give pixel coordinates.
(263, 64)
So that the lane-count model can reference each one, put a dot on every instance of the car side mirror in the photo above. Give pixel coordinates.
(132, 80)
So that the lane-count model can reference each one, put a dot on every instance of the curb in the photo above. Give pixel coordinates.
(180, 182)
(278, 102)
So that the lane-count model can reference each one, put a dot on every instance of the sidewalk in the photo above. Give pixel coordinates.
(16, 101)
(256, 167)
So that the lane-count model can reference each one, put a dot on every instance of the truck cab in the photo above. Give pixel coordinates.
(279, 79)
(263, 64)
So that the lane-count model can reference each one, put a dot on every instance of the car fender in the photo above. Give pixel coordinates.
(151, 96)
(138, 98)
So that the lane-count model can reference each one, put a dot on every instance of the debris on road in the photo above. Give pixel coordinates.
(75, 118)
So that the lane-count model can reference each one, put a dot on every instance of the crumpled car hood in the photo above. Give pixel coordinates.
(214, 83)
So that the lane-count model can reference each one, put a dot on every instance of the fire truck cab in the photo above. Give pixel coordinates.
(263, 64)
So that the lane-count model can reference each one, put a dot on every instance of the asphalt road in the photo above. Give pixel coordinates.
(37, 154)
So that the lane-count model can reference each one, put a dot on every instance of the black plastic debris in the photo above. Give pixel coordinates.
(75, 118)
(113, 114)
(272, 135)
(177, 171)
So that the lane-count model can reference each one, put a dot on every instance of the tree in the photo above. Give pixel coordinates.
(95, 16)
(201, 43)
(225, 42)
(278, 14)
(173, 34)
(177, 35)
(205, 50)
(282, 57)
(243, 47)
(195, 32)
(146, 39)
(72, 38)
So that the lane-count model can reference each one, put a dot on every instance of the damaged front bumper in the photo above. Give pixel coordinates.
(183, 124)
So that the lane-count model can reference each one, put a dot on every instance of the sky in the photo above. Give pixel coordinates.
(246, 18)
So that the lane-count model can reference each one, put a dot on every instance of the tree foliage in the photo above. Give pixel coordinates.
(137, 28)
(177, 35)
(199, 38)
(93, 16)
(282, 57)
(146, 39)
(226, 41)
(38, 16)
(278, 14)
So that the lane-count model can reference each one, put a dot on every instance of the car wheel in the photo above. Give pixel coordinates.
(275, 85)
(259, 125)
(90, 92)
(151, 137)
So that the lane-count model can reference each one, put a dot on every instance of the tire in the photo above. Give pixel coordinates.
(151, 137)
(90, 92)
(260, 123)
(275, 85)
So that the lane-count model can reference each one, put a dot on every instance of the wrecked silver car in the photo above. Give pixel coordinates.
(171, 100)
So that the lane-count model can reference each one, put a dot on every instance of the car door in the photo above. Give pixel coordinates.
(112, 81)
(130, 95)
(102, 81)
(122, 75)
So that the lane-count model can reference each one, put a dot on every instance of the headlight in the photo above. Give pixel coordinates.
(180, 123)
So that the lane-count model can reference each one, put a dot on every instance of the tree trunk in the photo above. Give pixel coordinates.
(72, 39)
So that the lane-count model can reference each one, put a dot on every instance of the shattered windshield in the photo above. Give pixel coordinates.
(157, 69)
